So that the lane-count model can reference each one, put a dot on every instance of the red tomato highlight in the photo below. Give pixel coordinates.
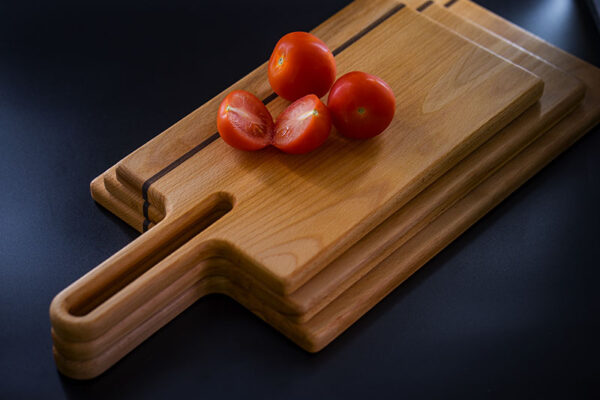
(301, 64)
(244, 122)
(303, 126)
(361, 105)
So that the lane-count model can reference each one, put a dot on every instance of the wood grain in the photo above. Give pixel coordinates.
(125, 268)
(199, 125)
(474, 75)
(294, 215)
(354, 264)
(561, 93)
(315, 333)
(362, 296)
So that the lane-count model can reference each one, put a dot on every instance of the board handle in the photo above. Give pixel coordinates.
(107, 294)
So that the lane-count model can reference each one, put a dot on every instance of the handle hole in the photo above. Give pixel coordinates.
(171, 237)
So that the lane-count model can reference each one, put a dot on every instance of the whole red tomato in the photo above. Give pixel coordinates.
(361, 105)
(303, 126)
(301, 64)
(244, 122)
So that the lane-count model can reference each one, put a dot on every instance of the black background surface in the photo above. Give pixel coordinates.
(509, 309)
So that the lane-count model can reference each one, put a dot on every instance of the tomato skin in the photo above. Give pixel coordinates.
(303, 126)
(362, 105)
(301, 64)
(244, 122)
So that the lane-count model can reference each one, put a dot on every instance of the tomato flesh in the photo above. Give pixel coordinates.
(301, 64)
(361, 105)
(303, 126)
(244, 122)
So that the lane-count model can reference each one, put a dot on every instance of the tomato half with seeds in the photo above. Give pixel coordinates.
(301, 64)
(362, 105)
(303, 126)
(244, 122)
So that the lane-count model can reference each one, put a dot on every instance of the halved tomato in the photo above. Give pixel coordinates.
(244, 122)
(303, 126)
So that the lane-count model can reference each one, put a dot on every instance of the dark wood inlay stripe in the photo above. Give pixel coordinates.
(424, 6)
(266, 101)
(368, 29)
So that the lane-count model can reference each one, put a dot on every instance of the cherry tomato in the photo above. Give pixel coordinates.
(301, 64)
(303, 126)
(244, 122)
(361, 105)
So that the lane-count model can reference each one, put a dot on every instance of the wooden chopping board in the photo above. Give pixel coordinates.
(293, 215)
(562, 92)
(59, 357)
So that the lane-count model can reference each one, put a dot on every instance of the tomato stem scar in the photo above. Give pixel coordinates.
(361, 110)
(280, 62)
